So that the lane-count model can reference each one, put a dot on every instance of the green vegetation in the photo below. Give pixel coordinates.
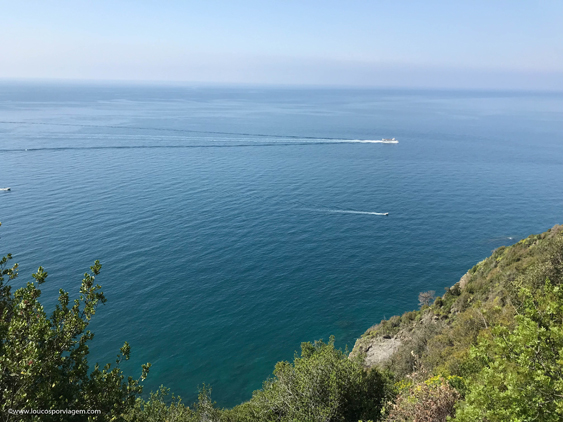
(498, 333)
(520, 375)
(321, 384)
(43, 361)
(489, 349)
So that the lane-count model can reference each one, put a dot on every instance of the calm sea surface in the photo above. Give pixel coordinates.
(235, 223)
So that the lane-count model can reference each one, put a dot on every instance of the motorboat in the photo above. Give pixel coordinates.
(5, 189)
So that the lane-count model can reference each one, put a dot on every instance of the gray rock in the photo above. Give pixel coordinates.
(377, 350)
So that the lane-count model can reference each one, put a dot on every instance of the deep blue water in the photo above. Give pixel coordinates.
(217, 212)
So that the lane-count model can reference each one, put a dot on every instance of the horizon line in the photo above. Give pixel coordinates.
(279, 85)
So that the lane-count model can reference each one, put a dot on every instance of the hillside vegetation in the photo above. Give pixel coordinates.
(489, 349)
(496, 336)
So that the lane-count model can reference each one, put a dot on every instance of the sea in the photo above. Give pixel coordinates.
(234, 223)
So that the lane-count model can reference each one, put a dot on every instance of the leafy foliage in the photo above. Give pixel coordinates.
(321, 385)
(158, 408)
(423, 398)
(432, 400)
(499, 329)
(43, 360)
(521, 376)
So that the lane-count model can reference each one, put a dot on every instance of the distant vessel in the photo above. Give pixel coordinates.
(385, 213)
(390, 141)
(5, 189)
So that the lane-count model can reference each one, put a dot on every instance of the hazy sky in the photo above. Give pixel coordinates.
(464, 44)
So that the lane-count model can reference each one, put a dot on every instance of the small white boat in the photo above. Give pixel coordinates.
(5, 189)
(385, 213)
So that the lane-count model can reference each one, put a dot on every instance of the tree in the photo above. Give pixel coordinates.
(43, 360)
(426, 298)
(322, 384)
(521, 376)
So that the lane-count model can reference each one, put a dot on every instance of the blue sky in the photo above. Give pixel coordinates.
(450, 44)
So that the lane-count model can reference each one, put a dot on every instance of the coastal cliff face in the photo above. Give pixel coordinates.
(441, 333)
(375, 350)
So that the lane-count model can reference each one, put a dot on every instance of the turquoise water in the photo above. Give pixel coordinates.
(234, 223)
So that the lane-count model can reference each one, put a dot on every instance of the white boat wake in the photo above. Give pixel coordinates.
(369, 141)
(345, 211)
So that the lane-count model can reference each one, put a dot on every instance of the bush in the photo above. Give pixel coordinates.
(159, 409)
(321, 385)
(156, 409)
(408, 317)
(521, 375)
(455, 290)
(43, 361)
(432, 400)
(402, 362)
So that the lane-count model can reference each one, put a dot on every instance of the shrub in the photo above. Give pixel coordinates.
(402, 362)
(455, 290)
(408, 317)
(432, 400)
(156, 409)
(321, 384)
(426, 298)
(521, 376)
(43, 361)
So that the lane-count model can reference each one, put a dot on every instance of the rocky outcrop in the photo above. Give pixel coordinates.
(376, 350)
(464, 280)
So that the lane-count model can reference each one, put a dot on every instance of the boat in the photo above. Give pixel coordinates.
(390, 141)
(385, 213)
(5, 189)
